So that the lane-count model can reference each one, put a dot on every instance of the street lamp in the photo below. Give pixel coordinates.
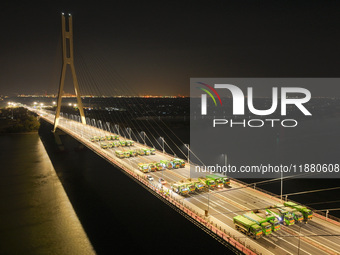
(144, 137)
(188, 147)
(163, 143)
(128, 130)
(117, 127)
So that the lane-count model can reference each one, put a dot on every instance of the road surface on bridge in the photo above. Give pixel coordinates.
(317, 237)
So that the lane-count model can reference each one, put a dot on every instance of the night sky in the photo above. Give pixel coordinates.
(156, 47)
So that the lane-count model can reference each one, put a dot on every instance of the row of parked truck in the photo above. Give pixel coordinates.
(104, 138)
(191, 185)
(173, 163)
(263, 222)
(135, 152)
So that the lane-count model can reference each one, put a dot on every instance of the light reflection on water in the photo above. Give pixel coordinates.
(36, 214)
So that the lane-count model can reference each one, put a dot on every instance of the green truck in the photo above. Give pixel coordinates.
(146, 151)
(152, 151)
(180, 188)
(307, 214)
(225, 179)
(103, 145)
(94, 139)
(133, 153)
(199, 186)
(166, 164)
(122, 143)
(266, 226)
(127, 154)
(145, 168)
(129, 143)
(179, 161)
(271, 219)
(159, 166)
(152, 167)
(108, 137)
(298, 217)
(115, 144)
(190, 185)
(175, 163)
(207, 181)
(120, 154)
(140, 152)
(282, 215)
(247, 226)
(218, 180)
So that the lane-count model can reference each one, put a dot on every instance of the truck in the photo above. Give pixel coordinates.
(122, 143)
(146, 151)
(133, 153)
(307, 213)
(152, 151)
(129, 143)
(120, 154)
(108, 137)
(207, 181)
(298, 217)
(190, 185)
(271, 219)
(115, 144)
(94, 139)
(114, 137)
(127, 154)
(175, 163)
(218, 180)
(266, 226)
(247, 226)
(282, 215)
(166, 164)
(103, 145)
(225, 179)
(180, 188)
(140, 152)
(144, 167)
(159, 166)
(152, 167)
(179, 161)
(199, 186)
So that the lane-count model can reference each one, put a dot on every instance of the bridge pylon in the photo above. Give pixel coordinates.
(68, 59)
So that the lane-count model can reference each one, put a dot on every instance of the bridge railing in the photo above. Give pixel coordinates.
(317, 213)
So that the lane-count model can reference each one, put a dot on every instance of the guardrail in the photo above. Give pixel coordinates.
(192, 214)
(200, 219)
(316, 213)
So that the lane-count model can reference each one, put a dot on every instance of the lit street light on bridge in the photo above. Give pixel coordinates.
(163, 144)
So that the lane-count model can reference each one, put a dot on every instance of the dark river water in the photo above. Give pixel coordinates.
(36, 214)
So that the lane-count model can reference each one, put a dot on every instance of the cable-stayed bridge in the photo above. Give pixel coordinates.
(213, 209)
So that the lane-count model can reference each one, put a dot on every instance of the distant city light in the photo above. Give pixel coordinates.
(70, 104)
(53, 102)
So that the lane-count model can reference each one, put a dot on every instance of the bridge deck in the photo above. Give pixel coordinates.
(319, 236)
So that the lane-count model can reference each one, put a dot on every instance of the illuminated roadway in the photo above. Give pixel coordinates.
(317, 237)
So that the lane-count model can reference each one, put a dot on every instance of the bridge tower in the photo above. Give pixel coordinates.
(68, 59)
